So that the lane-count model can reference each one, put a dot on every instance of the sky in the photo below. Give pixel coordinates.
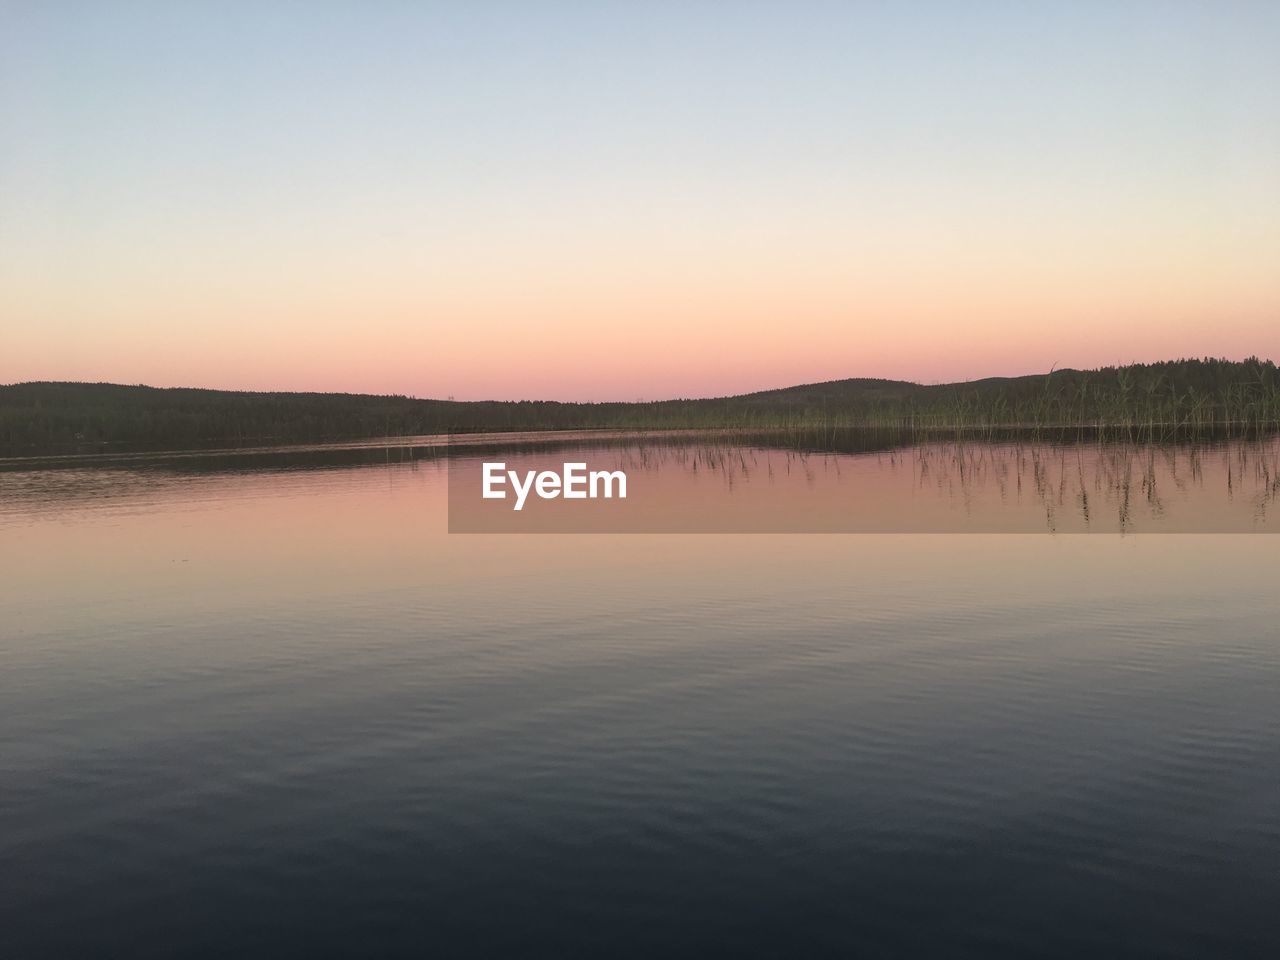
(590, 201)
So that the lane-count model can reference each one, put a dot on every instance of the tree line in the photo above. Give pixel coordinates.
(1189, 391)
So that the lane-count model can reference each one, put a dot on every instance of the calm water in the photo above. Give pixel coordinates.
(267, 706)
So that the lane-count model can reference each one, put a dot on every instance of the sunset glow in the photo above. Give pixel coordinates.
(633, 201)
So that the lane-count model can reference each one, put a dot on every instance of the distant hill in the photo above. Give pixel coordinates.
(839, 391)
(1179, 392)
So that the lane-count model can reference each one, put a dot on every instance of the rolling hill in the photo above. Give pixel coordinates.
(42, 414)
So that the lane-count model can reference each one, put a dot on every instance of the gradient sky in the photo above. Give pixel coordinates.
(623, 200)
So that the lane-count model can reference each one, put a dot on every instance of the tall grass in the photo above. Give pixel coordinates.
(1152, 409)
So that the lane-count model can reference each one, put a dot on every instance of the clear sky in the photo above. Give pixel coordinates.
(622, 200)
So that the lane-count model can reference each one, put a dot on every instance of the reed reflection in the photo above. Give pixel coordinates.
(733, 484)
(840, 482)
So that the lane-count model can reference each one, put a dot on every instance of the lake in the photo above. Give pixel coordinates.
(265, 704)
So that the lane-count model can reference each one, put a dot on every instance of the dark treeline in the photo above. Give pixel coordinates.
(1152, 397)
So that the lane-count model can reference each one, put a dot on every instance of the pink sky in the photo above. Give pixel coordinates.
(600, 326)
(651, 202)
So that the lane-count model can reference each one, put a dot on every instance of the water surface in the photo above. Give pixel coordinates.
(268, 706)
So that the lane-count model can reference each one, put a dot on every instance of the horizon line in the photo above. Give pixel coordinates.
(642, 400)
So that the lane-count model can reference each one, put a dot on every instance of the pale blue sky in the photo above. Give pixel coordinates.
(202, 172)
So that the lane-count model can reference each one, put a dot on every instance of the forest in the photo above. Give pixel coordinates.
(1153, 399)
